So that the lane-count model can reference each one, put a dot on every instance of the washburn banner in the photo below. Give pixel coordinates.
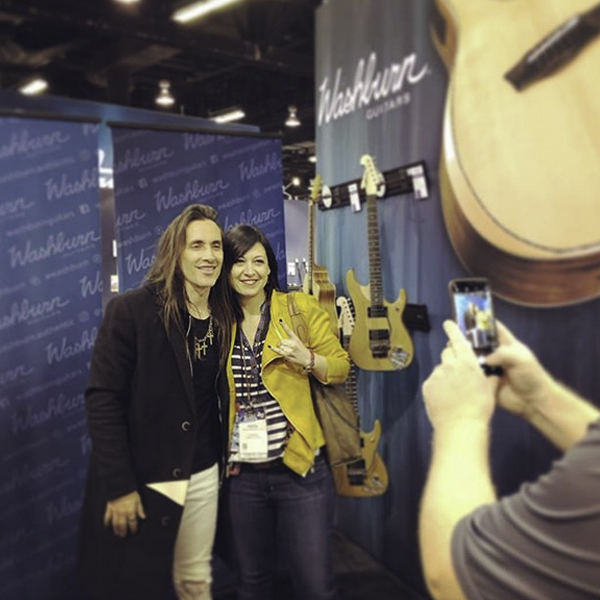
(50, 307)
(159, 172)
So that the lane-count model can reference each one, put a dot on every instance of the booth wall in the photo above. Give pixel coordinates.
(357, 42)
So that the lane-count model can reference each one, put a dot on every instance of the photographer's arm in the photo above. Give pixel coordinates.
(529, 391)
(459, 401)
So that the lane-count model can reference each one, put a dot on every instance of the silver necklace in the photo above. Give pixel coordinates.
(201, 344)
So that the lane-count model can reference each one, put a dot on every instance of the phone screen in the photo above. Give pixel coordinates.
(474, 314)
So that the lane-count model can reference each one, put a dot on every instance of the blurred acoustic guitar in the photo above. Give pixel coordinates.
(371, 479)
(380, 341)
(316, 281)
(520, 159)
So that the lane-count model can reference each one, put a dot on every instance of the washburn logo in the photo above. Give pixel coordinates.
(11, 207)
(250, 170)
(193, 141)
(23, 143)
(56, 353)
(370, 85)
(24, 311)
(193, 191)
(55, 190)
(56, 245)
(135, 158)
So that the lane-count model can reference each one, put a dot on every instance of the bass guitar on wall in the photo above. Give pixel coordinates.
(374, 477)
(380, 341)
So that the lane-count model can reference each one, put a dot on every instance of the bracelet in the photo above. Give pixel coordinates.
(311, 362)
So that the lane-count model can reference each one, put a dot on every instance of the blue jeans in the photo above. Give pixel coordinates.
(274, 506)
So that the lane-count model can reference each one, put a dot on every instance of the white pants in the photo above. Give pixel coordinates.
(192, 575)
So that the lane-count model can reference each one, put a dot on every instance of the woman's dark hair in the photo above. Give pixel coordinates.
(237, 241)
(165, 273)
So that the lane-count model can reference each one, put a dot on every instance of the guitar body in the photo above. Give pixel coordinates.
(399, 351)
(519, 168)
(324, 291)
(376, 477)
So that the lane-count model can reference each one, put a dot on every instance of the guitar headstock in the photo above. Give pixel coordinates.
(315, 190)
(346, 316)
(373, 181)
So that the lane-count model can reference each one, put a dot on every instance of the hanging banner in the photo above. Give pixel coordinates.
(157, 173)
(50, 306)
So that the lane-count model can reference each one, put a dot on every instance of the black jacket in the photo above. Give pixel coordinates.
(141, 417)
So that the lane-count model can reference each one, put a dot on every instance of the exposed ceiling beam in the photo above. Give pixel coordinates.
(162, 33)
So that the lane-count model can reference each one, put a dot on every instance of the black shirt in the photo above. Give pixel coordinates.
(204, 352)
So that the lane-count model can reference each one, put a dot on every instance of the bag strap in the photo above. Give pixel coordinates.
(298, 324)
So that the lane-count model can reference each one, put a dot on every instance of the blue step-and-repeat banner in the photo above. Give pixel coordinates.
(157, 173)
(50, 308)
(51, 297)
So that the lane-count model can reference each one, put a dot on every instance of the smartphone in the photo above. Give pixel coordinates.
(473, 311)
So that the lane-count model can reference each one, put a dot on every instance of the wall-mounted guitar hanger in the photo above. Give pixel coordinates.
(411, 178)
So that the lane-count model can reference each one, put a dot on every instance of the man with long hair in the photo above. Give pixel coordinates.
(155, 417)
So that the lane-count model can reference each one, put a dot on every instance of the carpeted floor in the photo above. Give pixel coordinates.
(359, 576)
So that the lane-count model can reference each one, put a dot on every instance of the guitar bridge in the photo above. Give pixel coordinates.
(379, 342)
(556, 49)
(379, 335)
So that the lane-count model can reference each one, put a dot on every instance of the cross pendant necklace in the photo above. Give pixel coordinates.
(201, 344)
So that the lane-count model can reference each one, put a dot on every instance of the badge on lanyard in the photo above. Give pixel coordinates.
(254, 442)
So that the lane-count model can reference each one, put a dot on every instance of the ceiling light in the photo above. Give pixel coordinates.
(164, 97)
(127, 1)
(292, 120)
(35, 86)
(228, 115)
(198, 9)
(312, 159)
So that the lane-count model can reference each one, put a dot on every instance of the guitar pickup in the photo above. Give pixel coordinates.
(376, 312)
(357, 471)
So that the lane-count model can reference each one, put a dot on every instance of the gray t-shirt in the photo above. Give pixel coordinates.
(542, 543)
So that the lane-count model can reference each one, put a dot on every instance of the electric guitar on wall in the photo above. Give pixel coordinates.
(316, 282)
(375, 475)
(380, 341)
(519, 172)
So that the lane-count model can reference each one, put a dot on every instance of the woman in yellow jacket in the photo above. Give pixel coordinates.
(281, 493)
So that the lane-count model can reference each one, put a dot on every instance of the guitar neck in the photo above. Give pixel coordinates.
(375, 279)
(350, 384)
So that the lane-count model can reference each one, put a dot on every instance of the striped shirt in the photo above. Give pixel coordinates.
(252, 397)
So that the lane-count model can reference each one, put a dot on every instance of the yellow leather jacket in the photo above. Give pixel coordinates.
(289, 384)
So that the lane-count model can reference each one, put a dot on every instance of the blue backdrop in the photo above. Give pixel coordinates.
(50, 307)
(157, 173)
(55, 270)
